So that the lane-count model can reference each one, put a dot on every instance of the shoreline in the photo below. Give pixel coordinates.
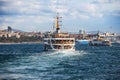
(22, 43)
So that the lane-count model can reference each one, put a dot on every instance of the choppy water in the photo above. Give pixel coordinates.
(30, 62)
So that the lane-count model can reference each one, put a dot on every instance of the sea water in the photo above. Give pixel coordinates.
(31, 62)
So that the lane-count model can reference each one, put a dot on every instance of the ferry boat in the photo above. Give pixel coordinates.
(97, 42)
(58, 40)
(100, 41)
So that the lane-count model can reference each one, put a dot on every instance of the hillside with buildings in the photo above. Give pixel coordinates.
(10, 35)
(13, 36)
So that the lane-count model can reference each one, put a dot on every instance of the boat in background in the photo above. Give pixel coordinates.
(58, 40)
(97, 42)
(100, 41)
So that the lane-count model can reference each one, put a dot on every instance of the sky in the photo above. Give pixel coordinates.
(38, 15)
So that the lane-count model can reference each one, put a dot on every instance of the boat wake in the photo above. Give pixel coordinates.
(65, 53)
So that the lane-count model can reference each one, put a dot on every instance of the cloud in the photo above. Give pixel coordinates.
(16, 7)
(27, 23)
(106, 1)
(88, 10)
(93, 10)
(108, 7)
(77, 15)
(33, 13)
(3, 26)
(48, 7)
(115, 13)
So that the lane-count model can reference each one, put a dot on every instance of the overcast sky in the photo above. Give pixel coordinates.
(37, 15)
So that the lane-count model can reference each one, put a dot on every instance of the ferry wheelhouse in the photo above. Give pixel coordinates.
(58, 40)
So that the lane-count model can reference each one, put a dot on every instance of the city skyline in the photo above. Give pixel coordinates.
(38, 15)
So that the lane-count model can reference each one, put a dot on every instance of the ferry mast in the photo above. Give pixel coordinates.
(57, 23)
